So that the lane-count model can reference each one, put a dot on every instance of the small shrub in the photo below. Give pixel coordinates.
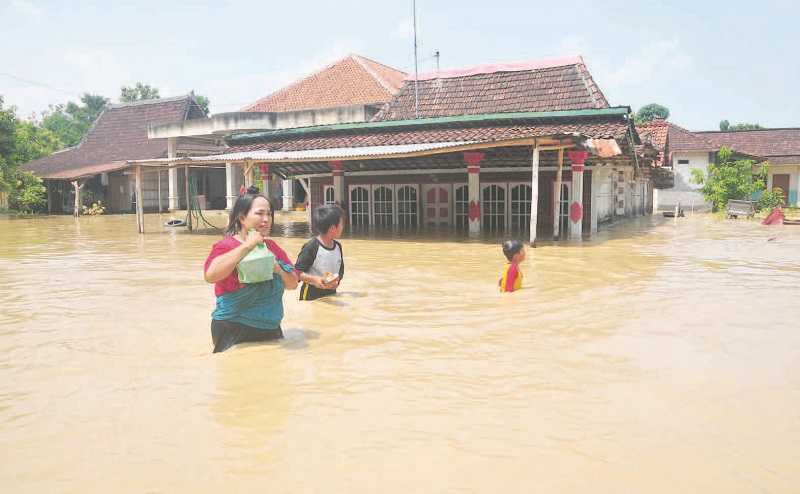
(97, 208)
(771, 199)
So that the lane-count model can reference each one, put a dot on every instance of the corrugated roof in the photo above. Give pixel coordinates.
(264, 155)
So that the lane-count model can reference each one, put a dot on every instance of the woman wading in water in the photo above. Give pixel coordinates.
(247, 311)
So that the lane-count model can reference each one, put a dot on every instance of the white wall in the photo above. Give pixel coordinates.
(605, 194)
(684, 191)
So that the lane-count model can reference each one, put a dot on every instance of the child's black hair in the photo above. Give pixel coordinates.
(511, 247)
(327, 216)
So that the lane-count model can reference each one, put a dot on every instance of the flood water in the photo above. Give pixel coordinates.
(659, 357)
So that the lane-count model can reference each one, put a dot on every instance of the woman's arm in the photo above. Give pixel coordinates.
(289, 279)
(223, 265)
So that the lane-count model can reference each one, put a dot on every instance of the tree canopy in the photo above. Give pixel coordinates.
(726, 126)
(138, 92)
(71, 121)
(651, 112)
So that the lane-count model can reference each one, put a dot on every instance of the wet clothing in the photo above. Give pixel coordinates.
(316, 259)
(225, 334)
(511, 279)
(249, 308)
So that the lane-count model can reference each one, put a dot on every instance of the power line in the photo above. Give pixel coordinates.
(41, 84)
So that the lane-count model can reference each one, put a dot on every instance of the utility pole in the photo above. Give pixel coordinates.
(416, 67)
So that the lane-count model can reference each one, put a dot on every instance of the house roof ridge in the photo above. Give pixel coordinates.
(362, 62)
(151, 101)
(741, 131)
(518, 66)
(295, 83)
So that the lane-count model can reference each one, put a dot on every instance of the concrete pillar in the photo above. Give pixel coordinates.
(620, 192)
(595, 200)
(288, 194)
(473, 160)
(231, 189)
(535, 194)
(337, 169)
(557, 197)
(174, 191)
(265, 180)
(578, 158)
(655, 201)
(139, 200)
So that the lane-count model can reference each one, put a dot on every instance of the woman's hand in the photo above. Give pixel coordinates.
(253, 238)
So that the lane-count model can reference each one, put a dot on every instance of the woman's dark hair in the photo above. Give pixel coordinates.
(327, 216)
(511, 247)
(242, 206)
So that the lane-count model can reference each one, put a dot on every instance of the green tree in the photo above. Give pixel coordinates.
(138, 92)
(203, 103)
(730, 179)
(70, 122)
(20, 142)
(651, 112)
(726, 126)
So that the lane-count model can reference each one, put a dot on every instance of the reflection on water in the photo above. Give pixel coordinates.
(658, 357)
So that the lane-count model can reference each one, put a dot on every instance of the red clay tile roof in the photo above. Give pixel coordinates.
(605, 128)
(119, 134)
(656, 132)
(778, 146)
(354, 80)
(549, 85)
(681, 139)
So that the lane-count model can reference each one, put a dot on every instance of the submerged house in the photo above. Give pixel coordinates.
(352, 89)
(98, 166)
(526, 149)
(684, 150)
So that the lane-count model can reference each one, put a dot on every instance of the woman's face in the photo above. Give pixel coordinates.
(259, 217)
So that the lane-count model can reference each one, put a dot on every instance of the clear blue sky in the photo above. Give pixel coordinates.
(704, 60)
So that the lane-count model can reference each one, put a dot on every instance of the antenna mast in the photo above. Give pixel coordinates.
(416, 67)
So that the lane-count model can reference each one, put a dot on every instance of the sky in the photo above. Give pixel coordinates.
(704, 60)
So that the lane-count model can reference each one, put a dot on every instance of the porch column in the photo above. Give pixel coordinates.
(288, 194)
(78, 185)
(139, 200)
(337, 168)
(188, 198)
(473, 160)
(174, 197)
(578, 158)
(264, 169)
(655, 200)
(535, 193)
(230, 186)
(595, 191)
(307, 188)
(557, 197)
(49, 188)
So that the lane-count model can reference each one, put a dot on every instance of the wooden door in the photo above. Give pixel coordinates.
(781, 181)
(437, 204)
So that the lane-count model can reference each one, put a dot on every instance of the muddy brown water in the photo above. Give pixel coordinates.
(659, 357)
